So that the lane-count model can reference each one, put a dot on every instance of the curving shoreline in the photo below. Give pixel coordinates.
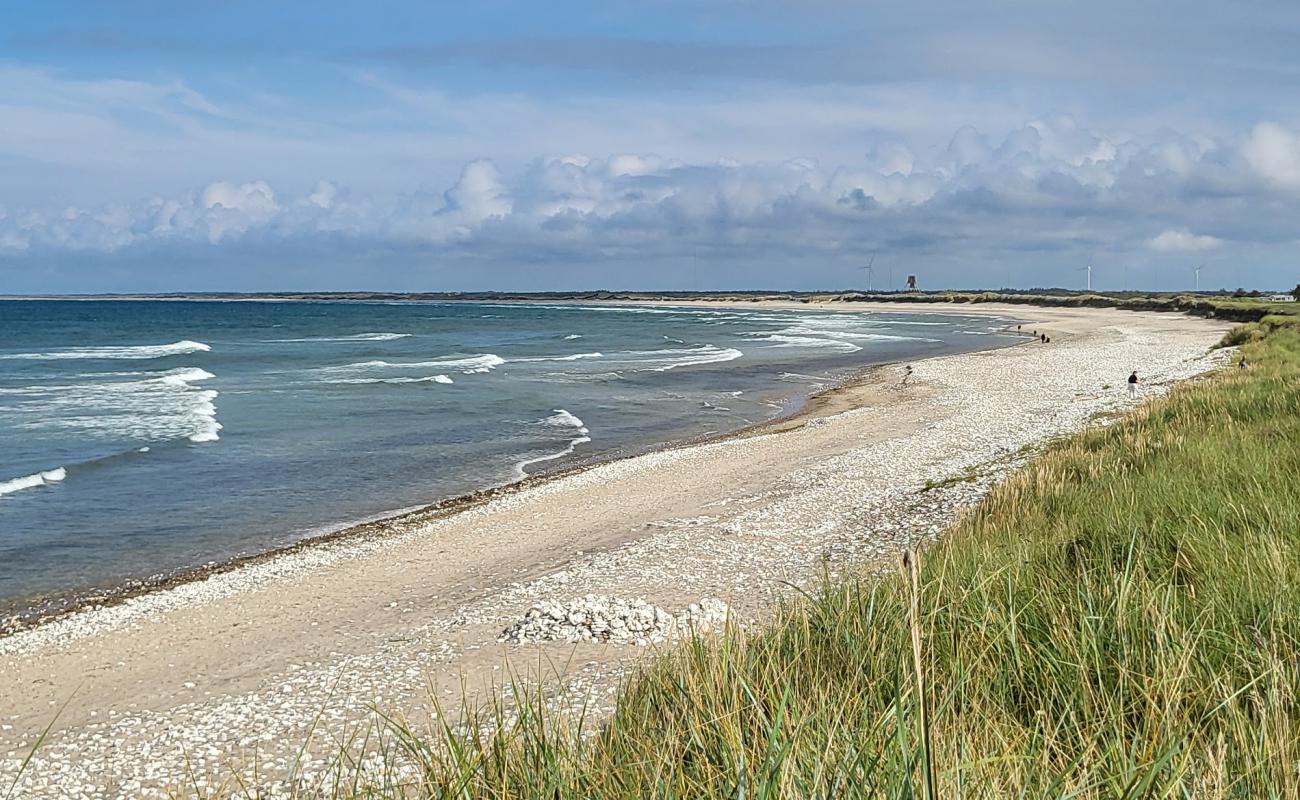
(33, 612)
(392, 619)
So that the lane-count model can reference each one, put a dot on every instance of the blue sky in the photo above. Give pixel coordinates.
(508, 145)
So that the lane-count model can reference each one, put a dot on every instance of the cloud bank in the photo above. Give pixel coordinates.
(1050, 191)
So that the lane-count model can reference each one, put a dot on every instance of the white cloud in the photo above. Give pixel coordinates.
(1046, 191)
(1177, 241)
(1274, 152)
(234, 209)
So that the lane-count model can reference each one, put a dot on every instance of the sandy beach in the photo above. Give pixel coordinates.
(186, 686)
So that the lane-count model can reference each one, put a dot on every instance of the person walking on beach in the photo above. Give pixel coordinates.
(1133, 384)
(1042, 337)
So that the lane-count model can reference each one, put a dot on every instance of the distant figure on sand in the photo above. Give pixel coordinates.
(907, 373)
(1042, 337)
(1133, 384)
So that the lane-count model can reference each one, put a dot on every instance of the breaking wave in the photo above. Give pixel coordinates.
(673, 358)
(425, 379)
(788, 340)
(361, 371)
(32, 481)
(560, 419)
(155, 406)
(359, 337)
(574, 357)
(138, 352)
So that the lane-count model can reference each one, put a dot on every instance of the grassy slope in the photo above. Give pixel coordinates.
(1121, 619)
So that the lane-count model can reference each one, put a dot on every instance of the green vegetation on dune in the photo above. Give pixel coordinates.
(1120, 619)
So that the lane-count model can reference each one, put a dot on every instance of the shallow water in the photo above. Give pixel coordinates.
(143, 436)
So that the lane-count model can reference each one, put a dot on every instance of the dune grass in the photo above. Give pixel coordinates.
(1121, 619)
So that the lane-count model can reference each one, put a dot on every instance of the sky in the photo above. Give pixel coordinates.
(709, 144)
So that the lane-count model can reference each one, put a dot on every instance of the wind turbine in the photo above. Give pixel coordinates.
(870, 270)
(1089, 270)
(1197, 272)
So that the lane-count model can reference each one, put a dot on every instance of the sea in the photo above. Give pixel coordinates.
(143, 437)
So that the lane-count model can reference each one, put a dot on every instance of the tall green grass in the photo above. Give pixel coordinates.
(1119, 620)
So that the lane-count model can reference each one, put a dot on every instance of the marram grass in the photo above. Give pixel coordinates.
(1121, 619)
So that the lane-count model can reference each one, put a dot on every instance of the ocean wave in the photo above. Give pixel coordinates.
(32, 481)
(154, 406)
(807, 336)
(560, 419)
(665, 360)
(563, 419)
(357, 337)
(789, 340)
(574, 357)
(485, 362)
(137, 352)
(574, 336)
(425, 379)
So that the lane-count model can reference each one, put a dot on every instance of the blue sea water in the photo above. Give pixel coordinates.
(138, 437)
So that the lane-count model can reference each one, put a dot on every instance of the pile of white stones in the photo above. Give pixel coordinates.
(601, 618)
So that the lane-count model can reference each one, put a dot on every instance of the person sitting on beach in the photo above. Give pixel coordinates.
(907, 373)
(1133, 384)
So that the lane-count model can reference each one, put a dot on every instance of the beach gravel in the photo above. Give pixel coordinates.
(853, 490)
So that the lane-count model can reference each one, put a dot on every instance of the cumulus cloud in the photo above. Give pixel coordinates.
(1050, 187)
(1274, 152)
(1178, 241)
(233, 209)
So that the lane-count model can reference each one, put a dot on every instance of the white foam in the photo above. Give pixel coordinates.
(680, 357)
(563, 419)
(485, 362)
(32, 481)
(358, 337)
(574, 336)
(521, 468)
(787, 340)
(141, 351)
(179, 377)
(574, 357)
(560, 419)
(154, 406)
(425, 379)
